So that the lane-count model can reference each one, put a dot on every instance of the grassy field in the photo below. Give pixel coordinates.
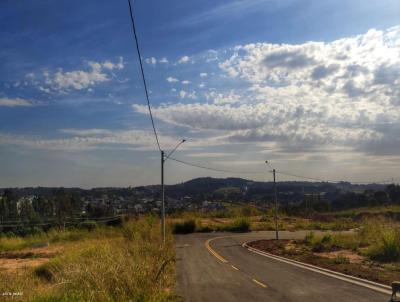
(260, 220)
(126, 263)
(129, 263)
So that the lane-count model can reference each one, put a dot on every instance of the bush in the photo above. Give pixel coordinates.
(320, 243)
(387, 249)
(205, 229)
(239, 225)
(185, 227)
(44, 272)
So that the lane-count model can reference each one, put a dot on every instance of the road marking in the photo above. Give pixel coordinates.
(259, 283)
(223, 260)
(213, 252)
(350, 279)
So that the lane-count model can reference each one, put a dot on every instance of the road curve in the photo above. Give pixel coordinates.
(215, 267)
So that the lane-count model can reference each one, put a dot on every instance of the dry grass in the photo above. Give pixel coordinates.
(107, 264)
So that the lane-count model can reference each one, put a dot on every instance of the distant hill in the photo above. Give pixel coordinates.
(226, 189)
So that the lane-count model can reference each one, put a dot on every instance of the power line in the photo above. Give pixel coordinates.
(142, 71)
(334, 181)
(277, 171)
(304, 177)
(212, 169)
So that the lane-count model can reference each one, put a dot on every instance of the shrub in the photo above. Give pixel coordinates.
(310, 238)
(185, 227)
(44, 272)
(239, 225)
(205, 229)
(387, 249)
(341, 260)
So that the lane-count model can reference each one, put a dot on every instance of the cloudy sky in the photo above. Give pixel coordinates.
(312, 86)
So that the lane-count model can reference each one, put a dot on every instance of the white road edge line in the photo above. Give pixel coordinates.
(354, 280)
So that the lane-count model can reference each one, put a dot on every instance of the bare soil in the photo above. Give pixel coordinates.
(27, 258)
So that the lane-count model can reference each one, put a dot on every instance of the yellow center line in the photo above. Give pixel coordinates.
(260, 283)
(213, 252)
(223, 260)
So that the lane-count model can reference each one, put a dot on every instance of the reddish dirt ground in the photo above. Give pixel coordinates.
(27, 258)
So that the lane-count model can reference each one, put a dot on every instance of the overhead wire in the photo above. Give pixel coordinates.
(142, 72)
(276, 171)
(213, 169)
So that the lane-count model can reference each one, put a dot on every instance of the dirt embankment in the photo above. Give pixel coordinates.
(340, 260)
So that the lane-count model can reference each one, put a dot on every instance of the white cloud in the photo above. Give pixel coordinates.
(182, 94)
(97, 72)
(223, 98)
(202, 85)
(184, 59)
(189, 95)
(163, 60)
(185, 82)
(89, 139)
(14, 102)
(210, 154)
(30, 76)
(151, 61)
(47, 90)
(109, 65)
(79, 79)
(341, 93)
(203, 75)
(172, 80)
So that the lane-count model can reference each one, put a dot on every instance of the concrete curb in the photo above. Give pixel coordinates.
(385, 289)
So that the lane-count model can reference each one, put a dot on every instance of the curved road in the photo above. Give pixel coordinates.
(225, 271)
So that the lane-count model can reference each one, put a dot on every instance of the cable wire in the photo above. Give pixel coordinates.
(334, 181)
(276, 171)
(142, 71)
(212, 169)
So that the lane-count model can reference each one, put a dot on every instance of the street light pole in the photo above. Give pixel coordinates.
(276, 208)
(162, 197)
(163, 159)
(276, 201)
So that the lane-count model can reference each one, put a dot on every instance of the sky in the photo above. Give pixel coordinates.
(311, 86)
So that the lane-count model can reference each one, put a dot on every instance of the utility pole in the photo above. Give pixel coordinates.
(276, 201)
(276, 207)
(162, 197)
(163, 159)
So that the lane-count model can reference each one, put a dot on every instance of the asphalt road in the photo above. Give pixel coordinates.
(246, 276)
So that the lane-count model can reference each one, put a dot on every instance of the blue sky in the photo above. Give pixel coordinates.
(310, 85)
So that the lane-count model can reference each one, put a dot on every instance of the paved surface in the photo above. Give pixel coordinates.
(251, 277)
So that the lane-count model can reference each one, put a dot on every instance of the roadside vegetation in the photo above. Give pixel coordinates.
(372, 251)
(124, 263)
(190, 225)
(245, 218)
